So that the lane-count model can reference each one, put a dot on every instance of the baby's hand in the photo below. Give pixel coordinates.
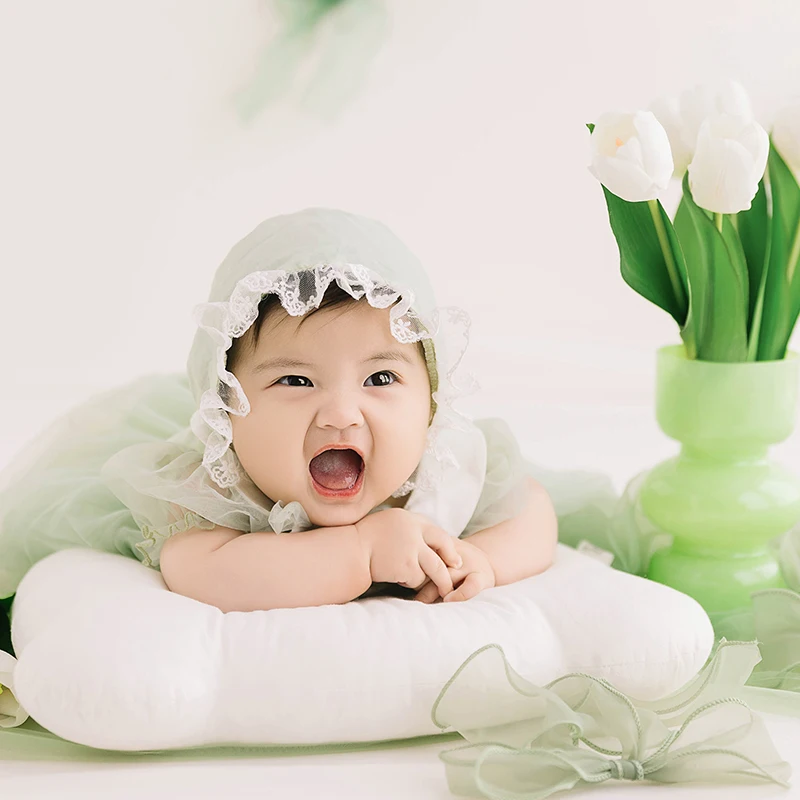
(475, 575)
(408, 549)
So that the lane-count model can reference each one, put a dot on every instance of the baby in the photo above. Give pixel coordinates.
(348, 408)
(322, 455)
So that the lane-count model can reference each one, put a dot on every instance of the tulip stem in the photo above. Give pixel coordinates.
(718, 221)
(794, 257)
(666, 249)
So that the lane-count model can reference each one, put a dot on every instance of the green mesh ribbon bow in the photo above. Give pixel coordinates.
(528, 742)
(776, 617)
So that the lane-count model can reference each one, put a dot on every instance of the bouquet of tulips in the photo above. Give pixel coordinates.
(726, 268)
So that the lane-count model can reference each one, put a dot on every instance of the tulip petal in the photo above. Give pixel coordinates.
(608, 128)
(723, 175)
(624, 179)
(624, 149)
(695, 106)
(656, 153)
(733, 99)
(756, 140)
(700, 102)
(719, 180)
(631, 152)
(667, 112)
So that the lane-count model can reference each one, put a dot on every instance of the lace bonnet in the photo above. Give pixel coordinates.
(297, 256)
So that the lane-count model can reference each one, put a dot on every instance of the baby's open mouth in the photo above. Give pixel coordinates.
(336, 470)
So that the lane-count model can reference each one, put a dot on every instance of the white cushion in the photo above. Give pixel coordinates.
(110, 658)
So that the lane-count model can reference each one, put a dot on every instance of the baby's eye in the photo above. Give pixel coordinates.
(384, 380)
(297, 378)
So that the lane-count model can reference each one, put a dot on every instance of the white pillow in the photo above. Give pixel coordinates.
(109, 657)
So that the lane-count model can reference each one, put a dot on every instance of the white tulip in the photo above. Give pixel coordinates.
(701, 102)
(786, 134)
(631, 156)
(667, 112)
(729, 161)
(683, 117)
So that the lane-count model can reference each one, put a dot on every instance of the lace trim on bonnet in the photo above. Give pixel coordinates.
(447, 327)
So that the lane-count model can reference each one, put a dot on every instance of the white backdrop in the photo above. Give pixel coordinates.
(126, 176)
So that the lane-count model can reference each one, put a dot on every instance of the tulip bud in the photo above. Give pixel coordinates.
(631, 155)
(683, 117)
(667, 112)
(701, 102)
(728, 164)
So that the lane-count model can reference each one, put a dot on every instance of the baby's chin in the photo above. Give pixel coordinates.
(337, 516)
(333, 515)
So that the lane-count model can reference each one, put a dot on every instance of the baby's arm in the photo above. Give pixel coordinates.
(524, 545)
(237, 571)
(504, 553)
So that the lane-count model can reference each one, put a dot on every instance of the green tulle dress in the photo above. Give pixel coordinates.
(131, 467)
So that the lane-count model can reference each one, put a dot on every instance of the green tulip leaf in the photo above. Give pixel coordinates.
(781, 298)
(753, 228)
(790, 218)
(733, 245)
(718, 284)
(696, 270)
(782, 176)
(642, 261)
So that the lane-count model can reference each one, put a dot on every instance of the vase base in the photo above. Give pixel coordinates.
(718, 582)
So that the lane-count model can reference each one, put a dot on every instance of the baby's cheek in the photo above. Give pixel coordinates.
(409, 436)
(259, 444)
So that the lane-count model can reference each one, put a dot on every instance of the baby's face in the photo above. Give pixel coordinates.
(358, 386)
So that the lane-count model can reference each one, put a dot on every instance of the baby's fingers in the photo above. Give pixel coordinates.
(435, 569)
(473, 584)
(429, 593)
(444, 544)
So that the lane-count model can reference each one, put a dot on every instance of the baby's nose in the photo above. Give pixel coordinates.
(340, 411)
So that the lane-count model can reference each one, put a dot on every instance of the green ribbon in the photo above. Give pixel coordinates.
(527, 742)
(776, 618)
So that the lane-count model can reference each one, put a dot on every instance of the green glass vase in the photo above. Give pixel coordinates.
(722, 499)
